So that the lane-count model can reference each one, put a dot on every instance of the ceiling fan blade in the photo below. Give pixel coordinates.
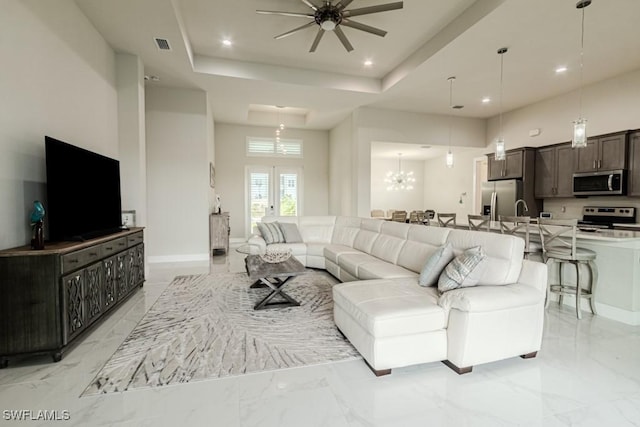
(295, 30)
(316, 41)
(275, 12)
(363, 27)
(343, 3)
(311, 5)
(343, 39)
(372, 9)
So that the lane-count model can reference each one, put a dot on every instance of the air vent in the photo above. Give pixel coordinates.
(162, 44)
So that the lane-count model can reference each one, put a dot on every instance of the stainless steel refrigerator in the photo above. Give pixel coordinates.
(499, 198)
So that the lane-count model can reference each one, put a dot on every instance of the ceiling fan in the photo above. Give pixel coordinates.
(330, 16)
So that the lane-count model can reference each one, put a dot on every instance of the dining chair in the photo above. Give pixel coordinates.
(377, 213)
(447, 220)
(399, 216)
(479, 222)
(558, 238)
(519, 226)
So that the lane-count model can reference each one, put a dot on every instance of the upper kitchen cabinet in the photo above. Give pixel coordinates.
(607, 152)
(634, 164)
(554, 171)
(513, 166)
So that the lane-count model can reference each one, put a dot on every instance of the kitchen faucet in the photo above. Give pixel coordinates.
(526, 208)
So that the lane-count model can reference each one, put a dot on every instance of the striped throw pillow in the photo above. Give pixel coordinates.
(461, 272)
(271, 232)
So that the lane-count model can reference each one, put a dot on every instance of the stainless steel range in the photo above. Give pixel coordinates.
(605, 216)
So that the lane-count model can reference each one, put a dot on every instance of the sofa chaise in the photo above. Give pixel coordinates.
(393, 321)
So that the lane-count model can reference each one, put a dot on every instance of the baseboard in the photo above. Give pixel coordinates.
(604, 310)
(178, 258)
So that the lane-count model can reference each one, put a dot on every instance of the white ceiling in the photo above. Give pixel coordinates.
(427, 41)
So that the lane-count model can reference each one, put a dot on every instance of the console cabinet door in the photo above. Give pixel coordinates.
(121, 275)
(75, 316)
(110, 288)
(94, 292)
(139, 262)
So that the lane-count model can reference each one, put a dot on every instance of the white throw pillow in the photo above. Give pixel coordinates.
(271, 233)
(435, 264)
(463, 271)
(290, 232)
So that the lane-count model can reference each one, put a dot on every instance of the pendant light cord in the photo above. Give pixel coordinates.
(501, 75)
(581, 63)
(451, 79)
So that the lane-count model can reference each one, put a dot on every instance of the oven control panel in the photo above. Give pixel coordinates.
(625, 212)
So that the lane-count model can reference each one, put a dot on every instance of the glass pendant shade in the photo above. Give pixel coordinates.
(500, 153)
(449, 159)
(579, 133)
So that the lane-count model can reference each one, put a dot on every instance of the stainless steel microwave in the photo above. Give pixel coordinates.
(600, 183)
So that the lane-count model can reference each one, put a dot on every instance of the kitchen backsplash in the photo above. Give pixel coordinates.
(573, 206)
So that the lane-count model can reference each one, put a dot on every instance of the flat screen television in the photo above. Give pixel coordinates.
(83, 192)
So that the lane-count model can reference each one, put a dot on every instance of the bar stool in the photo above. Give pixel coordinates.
(520, 224)
(447, 220)
(479, 222)
(558, 238)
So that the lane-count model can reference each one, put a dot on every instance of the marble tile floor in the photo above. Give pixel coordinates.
(587, 374)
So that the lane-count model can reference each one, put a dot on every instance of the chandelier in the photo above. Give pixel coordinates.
(401, 180)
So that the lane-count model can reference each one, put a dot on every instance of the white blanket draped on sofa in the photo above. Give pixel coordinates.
(393, 321)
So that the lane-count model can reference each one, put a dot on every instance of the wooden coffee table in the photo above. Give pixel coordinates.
(273, 276)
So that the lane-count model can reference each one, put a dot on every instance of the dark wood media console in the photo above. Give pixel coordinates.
(50, 297)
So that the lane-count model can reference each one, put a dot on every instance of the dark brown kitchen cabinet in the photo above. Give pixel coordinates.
(554, 171)
(606, 152)
(51, 296)
(509, 168)
(634, 164)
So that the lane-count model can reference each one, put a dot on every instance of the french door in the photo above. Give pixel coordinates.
(272, 190)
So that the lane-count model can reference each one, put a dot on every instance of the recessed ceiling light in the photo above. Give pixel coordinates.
(226, 42)
(425, 146)
(561, 70)
(368, 63)
(486, 100)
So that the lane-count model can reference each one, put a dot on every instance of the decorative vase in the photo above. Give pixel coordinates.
(37, 242)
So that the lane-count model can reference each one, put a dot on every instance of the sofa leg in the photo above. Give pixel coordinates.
(457, 370)
(529, 355)
(378, 373)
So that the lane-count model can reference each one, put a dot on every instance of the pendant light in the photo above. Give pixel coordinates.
(579, 139)
(449, 158)
(500, 149)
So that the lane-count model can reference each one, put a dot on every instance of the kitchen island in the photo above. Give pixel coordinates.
(617, 294)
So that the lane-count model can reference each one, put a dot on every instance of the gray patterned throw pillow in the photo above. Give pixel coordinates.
(459, 272)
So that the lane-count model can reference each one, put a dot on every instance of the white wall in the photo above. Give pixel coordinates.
(177, 175)
(609, 106)
(340, 172)
(407, 200)
(444, 187)
(372, 124)
(231, 163)
(57, 79)
(131, 135)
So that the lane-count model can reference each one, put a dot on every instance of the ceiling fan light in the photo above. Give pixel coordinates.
(328, 25)
(579, 133)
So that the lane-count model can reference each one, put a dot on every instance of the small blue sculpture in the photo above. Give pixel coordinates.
(37, 223)
(38, 212)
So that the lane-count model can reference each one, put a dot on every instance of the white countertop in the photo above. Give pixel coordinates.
(602, 235)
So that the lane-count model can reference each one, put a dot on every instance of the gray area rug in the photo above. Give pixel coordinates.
(204, 327)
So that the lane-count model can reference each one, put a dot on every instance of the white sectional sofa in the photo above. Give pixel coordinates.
(393, 321)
